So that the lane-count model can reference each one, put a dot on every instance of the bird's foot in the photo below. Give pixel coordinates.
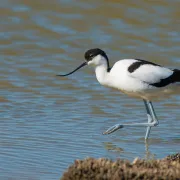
(113, 129)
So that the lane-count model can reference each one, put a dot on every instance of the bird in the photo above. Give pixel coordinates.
(137, 78)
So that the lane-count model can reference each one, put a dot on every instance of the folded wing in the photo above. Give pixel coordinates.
(152, 74)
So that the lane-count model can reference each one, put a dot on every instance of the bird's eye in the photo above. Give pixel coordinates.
(91, 55)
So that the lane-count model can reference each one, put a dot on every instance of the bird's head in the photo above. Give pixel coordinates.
(95, 57)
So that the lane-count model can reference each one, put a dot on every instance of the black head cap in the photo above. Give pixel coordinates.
(91, 53)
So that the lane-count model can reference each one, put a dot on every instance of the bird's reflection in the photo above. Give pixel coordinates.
(147, 155)
(112, 147)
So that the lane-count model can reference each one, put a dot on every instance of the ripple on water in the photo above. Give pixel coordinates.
(47, 121)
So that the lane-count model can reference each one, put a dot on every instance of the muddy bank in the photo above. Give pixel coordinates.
(105, 169)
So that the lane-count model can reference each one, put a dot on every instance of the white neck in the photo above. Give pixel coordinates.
(102, 74)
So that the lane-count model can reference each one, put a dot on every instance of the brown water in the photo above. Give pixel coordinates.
(47, 122)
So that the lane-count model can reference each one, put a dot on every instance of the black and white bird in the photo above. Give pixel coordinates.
(134, 77)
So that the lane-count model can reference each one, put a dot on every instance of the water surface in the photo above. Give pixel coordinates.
(47, 122)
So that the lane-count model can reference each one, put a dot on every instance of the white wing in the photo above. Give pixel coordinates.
(150, 73)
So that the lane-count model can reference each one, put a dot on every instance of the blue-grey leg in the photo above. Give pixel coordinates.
(153, 114)
(152, 121)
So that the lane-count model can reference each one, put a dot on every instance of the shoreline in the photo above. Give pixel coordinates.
(105, 169)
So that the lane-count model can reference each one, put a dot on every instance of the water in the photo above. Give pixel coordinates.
(46, 121)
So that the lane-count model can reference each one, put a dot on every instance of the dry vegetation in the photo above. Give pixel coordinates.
(104, 169)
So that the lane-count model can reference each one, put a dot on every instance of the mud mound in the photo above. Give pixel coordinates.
(105, 169)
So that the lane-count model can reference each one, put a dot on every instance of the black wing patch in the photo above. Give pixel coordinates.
(175, 77)
(139, 63)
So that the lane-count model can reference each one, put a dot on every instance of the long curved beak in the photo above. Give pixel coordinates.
(82, 65)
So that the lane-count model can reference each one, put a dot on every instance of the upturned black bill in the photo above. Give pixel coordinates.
(82, 65)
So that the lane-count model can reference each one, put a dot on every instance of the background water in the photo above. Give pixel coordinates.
(46, 122)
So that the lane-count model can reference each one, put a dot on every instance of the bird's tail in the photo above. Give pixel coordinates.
(176, 75)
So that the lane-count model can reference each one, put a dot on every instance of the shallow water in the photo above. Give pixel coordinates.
(46, 121)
